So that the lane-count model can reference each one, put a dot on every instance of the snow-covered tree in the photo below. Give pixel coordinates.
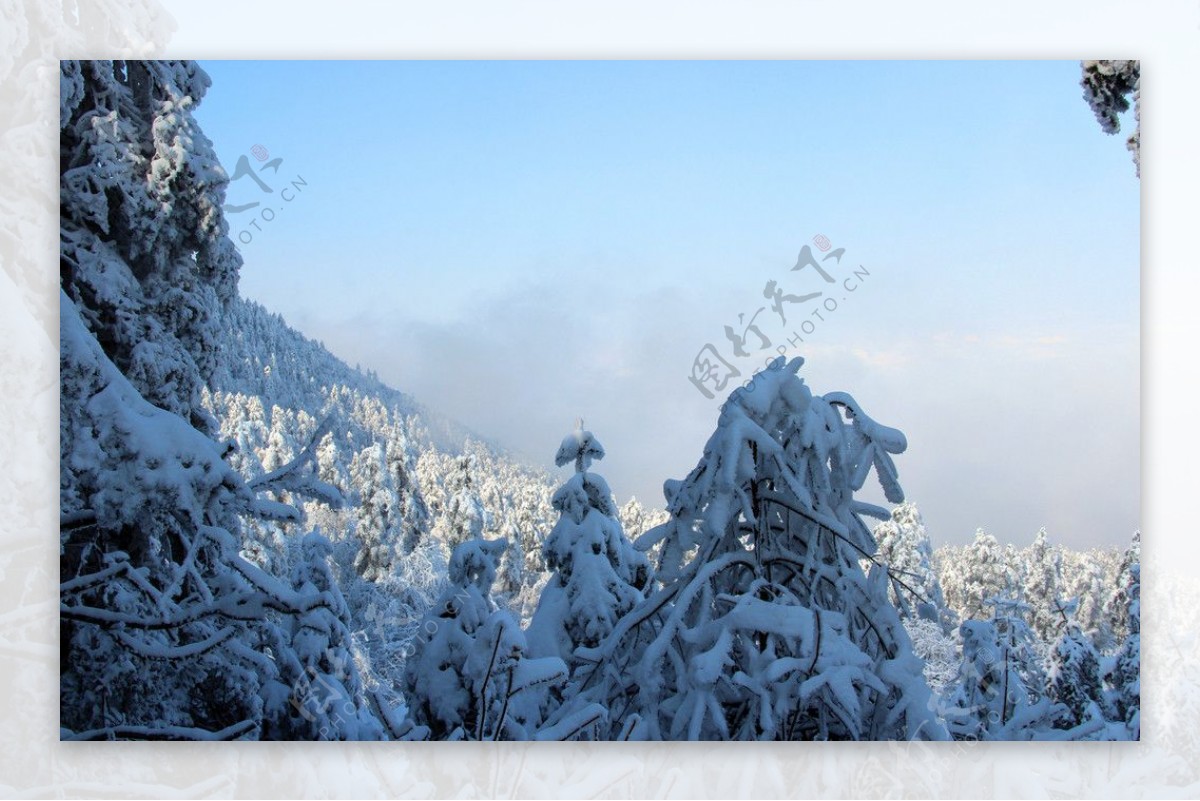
(145, 268)
(322, 697)
(511, 576)
(465, 517)
(1090, 582)
(937, 649)
(1073, 678)
(905, 548)
(243, 426)
(1124, 677)
(168, 632)
(597, 576)
(1116, 608)
(979, 573)
(636, 519)
(765, 625)
(145, 254)
(378, 514)
(280, 447)
(995, 695)
(1001, 690)
(414, 515)
(1042, 587)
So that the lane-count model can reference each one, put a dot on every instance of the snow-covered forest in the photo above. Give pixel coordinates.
(260, 542)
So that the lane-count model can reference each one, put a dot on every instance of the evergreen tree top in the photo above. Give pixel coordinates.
(580, 447)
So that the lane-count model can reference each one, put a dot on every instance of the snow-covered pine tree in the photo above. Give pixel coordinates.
(597, 576)
(765, 625)
(1116, 607)
(145, 252)
(510, 578)
(1014, 573)
(1073, 678)
(319, 694)
(533, 514)
(979, 573)
(1090, 584)
(1124, 678)
(465, 516)
(280, 447)
(269, 543)
(469, 676)
(1042, 587)
(905, 549)
(378, 514)
(414, 516)
(330, 467)
(991, 700)
(335, 522)
(243, 424)
(937, 649)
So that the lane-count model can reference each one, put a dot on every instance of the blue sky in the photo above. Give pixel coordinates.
(521, 243)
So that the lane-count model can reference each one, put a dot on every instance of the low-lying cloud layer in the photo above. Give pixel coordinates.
(1009, 431)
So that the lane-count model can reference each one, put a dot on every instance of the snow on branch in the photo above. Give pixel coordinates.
(233, 732)
(292, 477)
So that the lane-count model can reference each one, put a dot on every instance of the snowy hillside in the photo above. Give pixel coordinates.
(262, 356)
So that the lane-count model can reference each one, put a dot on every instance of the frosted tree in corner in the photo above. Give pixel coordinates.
(166, 629)
(1107, 88)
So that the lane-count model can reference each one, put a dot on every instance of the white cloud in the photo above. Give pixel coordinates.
(1007, 430)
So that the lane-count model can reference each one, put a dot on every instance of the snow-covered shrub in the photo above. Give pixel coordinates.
(469, 676)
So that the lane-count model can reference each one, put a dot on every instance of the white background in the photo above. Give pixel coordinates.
(1164, 35)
